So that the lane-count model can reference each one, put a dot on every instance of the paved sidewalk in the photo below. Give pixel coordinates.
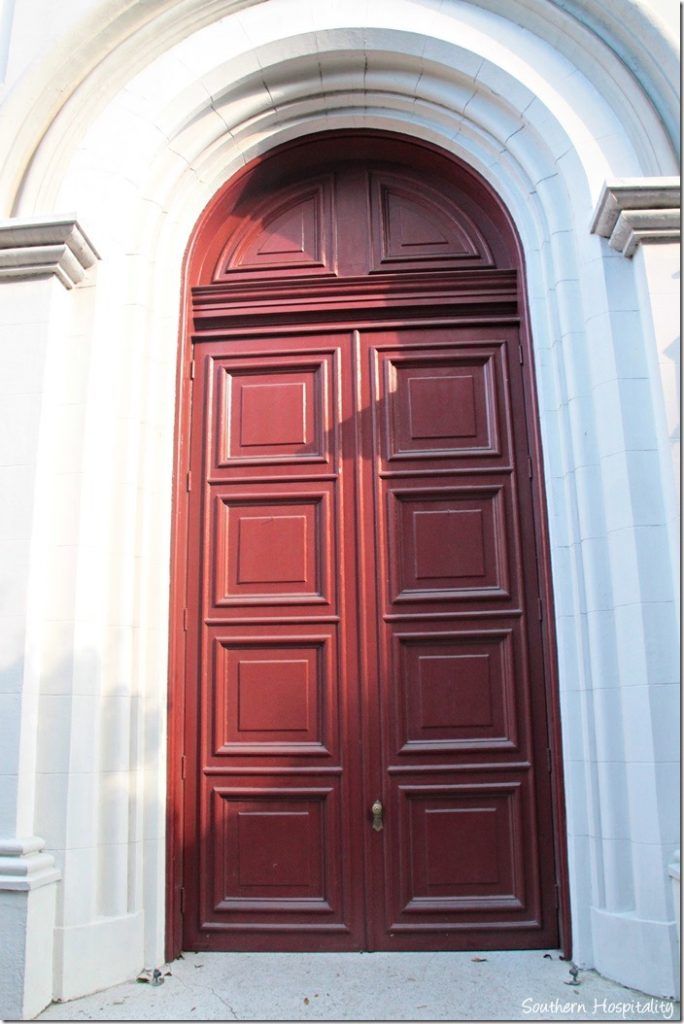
(529, 985)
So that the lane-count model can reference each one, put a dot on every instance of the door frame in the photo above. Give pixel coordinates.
(475, 297)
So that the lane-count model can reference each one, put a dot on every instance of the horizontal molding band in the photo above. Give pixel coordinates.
(632, 211)
(24, 865)
(274, 770)
(463, 293)
(38, 247)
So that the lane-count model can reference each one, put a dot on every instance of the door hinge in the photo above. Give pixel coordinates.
(549, 763)
(188, 481)
(529, 466)
(185, 620)
(556, 894)
(181, 899)
(540, 609)
(192, 370)
(520, 354)
(183, 765)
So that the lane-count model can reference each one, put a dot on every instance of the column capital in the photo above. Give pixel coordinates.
(45, 247)
(24, 865)
(631, 211)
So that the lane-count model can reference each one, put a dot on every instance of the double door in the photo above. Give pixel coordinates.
(365, 737)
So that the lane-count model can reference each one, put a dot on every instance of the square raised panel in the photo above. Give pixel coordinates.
(273, 849)
(440, 406)
(464, 846)
(270, 413)
(271, 549)
(447, 544)
(274, 696)
(461, 848)
(456, 691)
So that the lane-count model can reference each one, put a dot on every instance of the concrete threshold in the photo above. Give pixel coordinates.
(528, 985)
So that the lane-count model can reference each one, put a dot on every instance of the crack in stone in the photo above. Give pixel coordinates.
(205, 988)
(225, 1003)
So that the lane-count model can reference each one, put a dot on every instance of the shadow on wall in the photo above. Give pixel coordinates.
(100, 799)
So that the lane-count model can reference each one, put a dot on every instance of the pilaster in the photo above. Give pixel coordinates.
(41, 260)
(635, 936)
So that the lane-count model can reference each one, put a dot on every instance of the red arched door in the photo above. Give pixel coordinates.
(362, 707)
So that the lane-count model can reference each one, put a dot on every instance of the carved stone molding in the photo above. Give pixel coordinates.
(24, 865)
(631, 211)
(45, 247)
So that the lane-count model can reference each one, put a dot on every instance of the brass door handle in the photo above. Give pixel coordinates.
(377, 812)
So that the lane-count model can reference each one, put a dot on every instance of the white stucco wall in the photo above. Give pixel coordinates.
(165, 101)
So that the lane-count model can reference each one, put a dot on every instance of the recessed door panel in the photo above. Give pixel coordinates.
(446, 544)
(273, 548)
(442, 403)
(413, 227)
(463, 855)
(456, 691)
(276, 693)
(272, 417)
(273, 864)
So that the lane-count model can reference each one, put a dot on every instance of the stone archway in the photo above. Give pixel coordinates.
(547, 106)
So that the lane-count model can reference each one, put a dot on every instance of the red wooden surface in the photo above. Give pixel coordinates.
(358, 570)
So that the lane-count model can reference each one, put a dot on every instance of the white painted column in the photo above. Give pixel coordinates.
(41, 261)
(659, 285)
(95, 526)
(641, 218)
(633, 920)
(88, 796)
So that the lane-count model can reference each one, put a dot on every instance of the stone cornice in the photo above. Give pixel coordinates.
(631, 211)
(24, 865)
(45, 247)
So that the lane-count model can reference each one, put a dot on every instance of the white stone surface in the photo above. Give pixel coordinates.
(27, 920)
(675, 873)
(530, 985)
(97, 954)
